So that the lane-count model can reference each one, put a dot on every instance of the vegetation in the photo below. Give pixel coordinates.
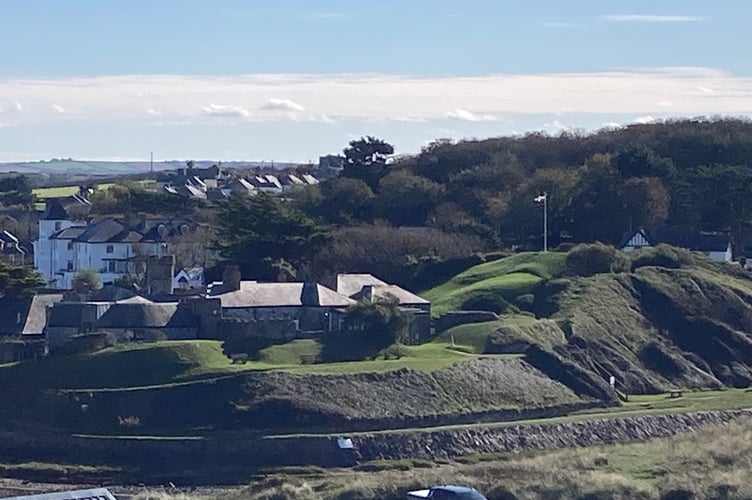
(19, 281)
(712, 463)
(86, 280)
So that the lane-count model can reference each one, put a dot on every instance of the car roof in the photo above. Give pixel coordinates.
(453, 488)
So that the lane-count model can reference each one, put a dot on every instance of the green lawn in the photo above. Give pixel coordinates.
(62, 191)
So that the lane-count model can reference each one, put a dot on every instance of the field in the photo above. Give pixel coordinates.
(61, 191)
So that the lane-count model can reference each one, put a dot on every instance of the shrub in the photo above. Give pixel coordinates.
(595, 258)
(89, 342)
(661, 256)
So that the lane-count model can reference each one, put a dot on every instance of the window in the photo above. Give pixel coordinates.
(111, 266)
(110, 249)
(70, 265)
(57, 225)
(70, 245)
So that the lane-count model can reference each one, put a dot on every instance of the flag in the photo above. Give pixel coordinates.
(540, 198)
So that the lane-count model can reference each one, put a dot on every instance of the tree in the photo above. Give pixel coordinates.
(258, 231)
(382, 320)
(407, 199)
(346, 200)
(16, 190)
(19, 281)
(365, 159)
(86, 280)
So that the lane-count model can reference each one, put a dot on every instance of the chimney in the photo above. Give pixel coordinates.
(310, 294)
(231, 278)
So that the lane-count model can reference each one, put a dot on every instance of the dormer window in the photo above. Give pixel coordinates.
(110, 249)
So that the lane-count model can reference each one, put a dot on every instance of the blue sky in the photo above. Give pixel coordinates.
(289, 80)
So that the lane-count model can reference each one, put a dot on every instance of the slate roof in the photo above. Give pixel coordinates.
(403, 296)
(252, 294)
(351, 284)
(58, 208)
(682, 237)
(25, 315)
(69, 233)
(37, 317)
(147, 315)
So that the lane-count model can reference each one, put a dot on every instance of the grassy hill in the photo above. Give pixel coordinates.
(495, 285)
(656, 319)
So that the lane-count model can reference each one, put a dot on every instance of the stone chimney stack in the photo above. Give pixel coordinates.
(231, 278)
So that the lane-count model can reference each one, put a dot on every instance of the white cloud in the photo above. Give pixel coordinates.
(649, 18)
(557, 127)
(463, 114)
(645, 119)
(664, 104)
(225, 110)
(612, 125)
(58, 109)
(374, 97)
(282, 105)
(13, 107)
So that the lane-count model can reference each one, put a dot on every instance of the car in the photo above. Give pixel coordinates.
(447, 492)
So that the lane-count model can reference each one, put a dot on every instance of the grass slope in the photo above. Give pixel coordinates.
(506, 279)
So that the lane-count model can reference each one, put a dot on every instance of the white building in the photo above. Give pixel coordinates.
(717, 246)
(67, 246)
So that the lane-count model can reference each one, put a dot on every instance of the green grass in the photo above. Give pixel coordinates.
(127, 366)
(507, 278)
(177, 362)
(62, 191)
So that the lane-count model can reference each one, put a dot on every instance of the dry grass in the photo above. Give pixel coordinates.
(713, 463)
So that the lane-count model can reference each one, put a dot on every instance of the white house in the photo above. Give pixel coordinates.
(107, 246)
(191, 278)
(717, 246)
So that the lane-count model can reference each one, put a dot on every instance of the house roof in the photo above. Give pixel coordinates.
(25, 315)
(682, 237)
(37, 317)
(8, 237)
(351, 284)
(252, 294)
(103, 493)
(59, 208)
(75, 314)
(147, 315)
(192, 273)
(69, 233)
(104, 231)
(404, 297)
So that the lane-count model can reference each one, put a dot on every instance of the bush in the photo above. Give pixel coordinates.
(661, 256)
(589, 259)
(89, 342)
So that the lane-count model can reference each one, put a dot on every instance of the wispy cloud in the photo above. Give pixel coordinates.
(649, 18)
(374, 97)
(58, 109)
(463, 114)
(282, 105)
(226, 110)
(13, 107)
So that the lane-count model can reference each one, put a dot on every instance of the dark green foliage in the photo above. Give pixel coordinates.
(19, 281)
(259, 232)
(86, 280)
(130, 199)
(90, 342)
(661, 256)
(365, 159)
(595, 258)
(16, 190)
(381, 320)
(486, 301)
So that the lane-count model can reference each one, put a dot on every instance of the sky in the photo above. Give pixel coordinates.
(291, 80)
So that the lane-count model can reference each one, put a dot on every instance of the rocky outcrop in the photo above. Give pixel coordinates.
(467, 441)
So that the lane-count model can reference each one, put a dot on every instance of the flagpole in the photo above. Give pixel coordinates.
(545, 222)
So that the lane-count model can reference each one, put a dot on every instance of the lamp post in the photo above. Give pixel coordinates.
(543, 198)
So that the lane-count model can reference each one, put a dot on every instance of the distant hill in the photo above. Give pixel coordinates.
(111, 168)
